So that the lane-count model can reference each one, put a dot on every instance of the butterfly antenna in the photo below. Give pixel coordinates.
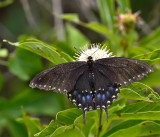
(81, 51)
(95, 51)
(76, 48)
(106, 111)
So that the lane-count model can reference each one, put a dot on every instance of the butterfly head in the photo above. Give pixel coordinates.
(90, 58)
(93, 53)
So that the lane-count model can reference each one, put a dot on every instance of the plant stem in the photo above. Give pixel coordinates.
(100, 124)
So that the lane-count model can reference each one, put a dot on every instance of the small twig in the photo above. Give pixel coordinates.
(28, 13)
(58, 23)
(100, 124)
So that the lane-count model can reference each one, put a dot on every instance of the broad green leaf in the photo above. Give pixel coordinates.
(139, 91)
(147, 115)
(67, 131)
(152, 39)
(24, 64)
(48, 130)
(142, 129)
(141, 106)
(3, 53)
(16, 129)
(100, 29)
(113, 39)
(4, 3)
(138, 50)
(66, 48)
(106, 8)
(75, 37)
(92, 119)
(3, 121)
(42, 49)
(32, 124)
(68, 116)
(103, 30)
(153, 79)
(151, 57)
(33, 101)
(131, 94)
(124, 6)
(70, 17)
(119, 126)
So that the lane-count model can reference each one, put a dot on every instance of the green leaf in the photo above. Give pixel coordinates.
(153, 79)
(32, 124)
(120, 126)
(42, 49)
(66, 48)
(48, 130)
(131, 94)
(16, 129)
(33, 101)
(67, 131)
(92, 119)
(106, 8)
(98, 28)
(142, 129)
(124, 6)
(6, 3)
(70, 17)
(3, 53)
(142, 106)
(75, 37)
(138, 91)
(68, 116)
(24, 64)
(147, 115)
(150, 57)
(152, 40)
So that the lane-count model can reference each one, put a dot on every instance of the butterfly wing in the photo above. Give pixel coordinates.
(82, 83)
(60, 78)
(123, 70)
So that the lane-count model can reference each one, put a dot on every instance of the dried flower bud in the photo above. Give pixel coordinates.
(127, 21)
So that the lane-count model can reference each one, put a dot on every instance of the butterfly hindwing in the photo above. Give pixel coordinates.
(60, 78)
(123, 70)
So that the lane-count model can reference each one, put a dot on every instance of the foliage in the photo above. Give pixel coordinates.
(138, 116)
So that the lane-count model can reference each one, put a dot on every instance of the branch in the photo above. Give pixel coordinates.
(58, 23)
(28, 13)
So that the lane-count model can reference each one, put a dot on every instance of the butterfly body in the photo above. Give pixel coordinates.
(93, 83)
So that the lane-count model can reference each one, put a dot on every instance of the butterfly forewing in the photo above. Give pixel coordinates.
(123, 70)
(60, 78)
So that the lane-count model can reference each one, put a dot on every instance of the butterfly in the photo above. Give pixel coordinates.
(94, 81)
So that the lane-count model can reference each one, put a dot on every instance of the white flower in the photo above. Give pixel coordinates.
(96, 52)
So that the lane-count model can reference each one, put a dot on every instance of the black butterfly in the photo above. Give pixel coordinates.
(93, 84)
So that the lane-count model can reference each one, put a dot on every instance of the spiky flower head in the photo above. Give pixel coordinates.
(127, 20)
(96, 51)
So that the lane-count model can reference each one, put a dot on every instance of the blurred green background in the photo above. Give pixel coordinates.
(32, 24)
